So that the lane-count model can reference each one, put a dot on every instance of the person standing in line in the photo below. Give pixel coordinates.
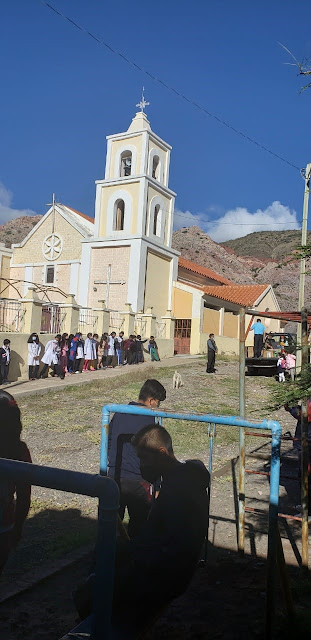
(63, 353)
(281, 367)
(126, 347)
(77, 368)
(51, 358)
(5, 359)
(153, 350)
(100, 353)
(132, 351)
(69, 362)
(120, 348)
(13, 513)
(89, 352)
(211, 354)
(123, 464)
(139, 350)
(34, 350)
(96, 345)
(259, 332)
(111, 350)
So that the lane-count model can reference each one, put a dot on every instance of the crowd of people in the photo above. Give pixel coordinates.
(68, 354)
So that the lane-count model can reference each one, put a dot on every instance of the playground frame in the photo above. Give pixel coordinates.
(212, 421)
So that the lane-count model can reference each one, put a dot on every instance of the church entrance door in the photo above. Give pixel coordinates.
(182, 336)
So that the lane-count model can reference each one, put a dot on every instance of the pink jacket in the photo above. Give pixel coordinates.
(290, 361)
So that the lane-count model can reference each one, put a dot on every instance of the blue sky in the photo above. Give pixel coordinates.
(62, 93)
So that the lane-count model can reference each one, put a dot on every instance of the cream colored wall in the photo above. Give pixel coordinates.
(135, 141)
(231, 325)
(119, 258)
(16, 273)
(182, 304)
(31, 252)
(133, 189)
(225, 345)
(157, 283)
(152, 192)
(210, 320)
(4, 273)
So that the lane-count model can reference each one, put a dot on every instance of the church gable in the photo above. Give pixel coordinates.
(55, 237)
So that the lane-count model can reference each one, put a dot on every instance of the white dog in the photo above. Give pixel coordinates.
(177, 380)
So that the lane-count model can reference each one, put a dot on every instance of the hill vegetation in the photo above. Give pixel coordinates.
(266, 245)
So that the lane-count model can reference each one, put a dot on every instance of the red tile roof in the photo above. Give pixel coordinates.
(83, 215)
(242, 294)
(202, 271)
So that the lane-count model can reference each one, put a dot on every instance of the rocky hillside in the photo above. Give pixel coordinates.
(16, 230)
(248, 262)
(266, 244)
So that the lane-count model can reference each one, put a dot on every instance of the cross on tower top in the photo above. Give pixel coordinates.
(142, 104)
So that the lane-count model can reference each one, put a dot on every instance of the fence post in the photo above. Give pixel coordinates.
(150, 322)
(71, 310)
(169, 321)
(103, 319)
(32, 306)
(304, 445)
(241, 533)
(129, 320)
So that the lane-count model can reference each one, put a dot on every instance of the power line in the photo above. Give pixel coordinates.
(170, 88)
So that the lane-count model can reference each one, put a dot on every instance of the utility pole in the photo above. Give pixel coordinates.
(306, 174)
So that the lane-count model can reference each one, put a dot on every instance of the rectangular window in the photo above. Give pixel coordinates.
(50, 274)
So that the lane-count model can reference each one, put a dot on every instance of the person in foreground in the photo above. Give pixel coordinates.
(158, 564)
(13, 513)
(123, 464)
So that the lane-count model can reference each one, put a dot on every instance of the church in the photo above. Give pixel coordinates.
(123, 258)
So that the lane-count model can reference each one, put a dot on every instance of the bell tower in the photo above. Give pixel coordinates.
(134, 210)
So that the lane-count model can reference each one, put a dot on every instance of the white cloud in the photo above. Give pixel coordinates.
(238, 222)
(6, 211)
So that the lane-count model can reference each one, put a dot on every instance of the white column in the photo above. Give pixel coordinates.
(221, 321)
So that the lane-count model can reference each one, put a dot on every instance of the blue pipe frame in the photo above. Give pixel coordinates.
(232, 421)
(95, 486)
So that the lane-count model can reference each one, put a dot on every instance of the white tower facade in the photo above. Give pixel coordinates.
(133, 225)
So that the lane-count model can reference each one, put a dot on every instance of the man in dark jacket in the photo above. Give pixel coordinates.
(158, 564)
(123, 464)
(211, 354)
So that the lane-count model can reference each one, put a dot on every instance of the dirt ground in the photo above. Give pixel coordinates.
(63, 429)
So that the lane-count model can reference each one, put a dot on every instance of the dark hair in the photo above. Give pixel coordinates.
(210, 334)
(30, 339)
(7, 341)
(103, 339)
(153, 437)
(10, 426)
(58, 337)
(95, 335)
(138, 337)
(152, 389)
(113, 332)
(258, 320)
(89, 334)
(151, 338)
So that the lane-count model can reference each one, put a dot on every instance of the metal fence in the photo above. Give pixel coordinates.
(116, 321)
(140, 326)
(11, 315)
(88, 319)
(160, 329)
(52, 318)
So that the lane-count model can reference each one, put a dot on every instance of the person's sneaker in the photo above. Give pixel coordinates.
(92, 369)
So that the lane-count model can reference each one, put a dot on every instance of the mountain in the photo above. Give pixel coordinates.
(266, 244)
(259, 258)
(16, 230)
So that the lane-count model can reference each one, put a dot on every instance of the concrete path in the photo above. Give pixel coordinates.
(24, 387)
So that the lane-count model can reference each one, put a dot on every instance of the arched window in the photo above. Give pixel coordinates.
(119, 215)
(156, 221)
(126, 164)
(155, 167)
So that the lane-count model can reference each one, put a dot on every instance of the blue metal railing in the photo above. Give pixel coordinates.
(232, 421)
(96, 486)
